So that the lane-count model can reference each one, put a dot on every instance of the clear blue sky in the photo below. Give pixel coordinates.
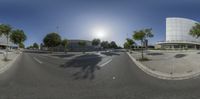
(77, 19)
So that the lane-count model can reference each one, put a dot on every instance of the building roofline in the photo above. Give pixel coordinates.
(182, 19)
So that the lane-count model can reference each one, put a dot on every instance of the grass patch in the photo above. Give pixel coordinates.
(153, 54)
(6, 60)
(143, 59)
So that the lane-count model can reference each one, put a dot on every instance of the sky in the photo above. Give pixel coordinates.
(83, 19)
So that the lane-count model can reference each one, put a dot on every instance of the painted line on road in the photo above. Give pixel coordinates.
(105, 63)
(37, 60)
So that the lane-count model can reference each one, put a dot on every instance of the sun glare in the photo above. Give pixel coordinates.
(99, 33)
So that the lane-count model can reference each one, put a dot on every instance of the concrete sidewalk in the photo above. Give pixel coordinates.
(5, 65)
(174, 65)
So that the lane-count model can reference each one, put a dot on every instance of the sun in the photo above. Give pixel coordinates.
(99, 33)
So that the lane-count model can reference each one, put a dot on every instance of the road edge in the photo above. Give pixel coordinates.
(8, 65)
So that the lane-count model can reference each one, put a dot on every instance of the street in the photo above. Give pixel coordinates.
(34, 76)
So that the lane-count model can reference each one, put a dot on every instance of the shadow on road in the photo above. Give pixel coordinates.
(87, 65)
(109, 53)
(180, 55)
(198, 53)
(64, 55)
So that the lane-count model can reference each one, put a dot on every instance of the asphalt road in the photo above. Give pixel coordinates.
(34, 76)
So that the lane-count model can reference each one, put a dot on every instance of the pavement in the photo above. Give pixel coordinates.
(4, 65)
(34, 76)
(106, 57)
(172, 65)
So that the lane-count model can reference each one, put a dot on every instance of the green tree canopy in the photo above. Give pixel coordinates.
(195, 31)
(35, 45)
(5, 29)
(139, 35)
(52, 40)
(82, 43)
(18, 36)
(21, 45)
(142, 35)
(96, 42)
(130, 42)
(105, 44)
(148, 33)
(113, 44)
(64, 42)
(126, 45)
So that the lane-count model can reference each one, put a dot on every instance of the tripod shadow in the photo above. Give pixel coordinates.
(87, 65)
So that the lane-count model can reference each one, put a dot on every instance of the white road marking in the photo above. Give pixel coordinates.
(37, 60)
(105, 63)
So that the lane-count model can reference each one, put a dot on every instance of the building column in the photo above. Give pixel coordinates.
(172, 46)
(195, 46)
(186, 46)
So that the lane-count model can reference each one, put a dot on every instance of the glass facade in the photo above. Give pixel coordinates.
(177, 29)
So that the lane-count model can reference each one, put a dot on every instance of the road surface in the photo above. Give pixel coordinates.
(34, 76)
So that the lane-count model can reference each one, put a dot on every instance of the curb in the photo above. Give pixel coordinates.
(162, 75)
(9, 64)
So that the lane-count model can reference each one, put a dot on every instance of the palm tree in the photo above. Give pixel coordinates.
(6, 29)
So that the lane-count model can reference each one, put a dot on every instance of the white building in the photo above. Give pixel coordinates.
(3, 43)
(177, 34)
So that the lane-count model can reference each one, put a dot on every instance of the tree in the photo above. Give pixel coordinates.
(130, 43)
(21, 45)
(18, 37)
(126, 45)
(5, 29)
(140, 35)
(105, 44)
(113, 44)
(82, 44)
(35, 46)
(30, 47)
(143, 35)
(52, 40)
(195, 31)
(96, 42)
(148, 34)
(64, 43)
